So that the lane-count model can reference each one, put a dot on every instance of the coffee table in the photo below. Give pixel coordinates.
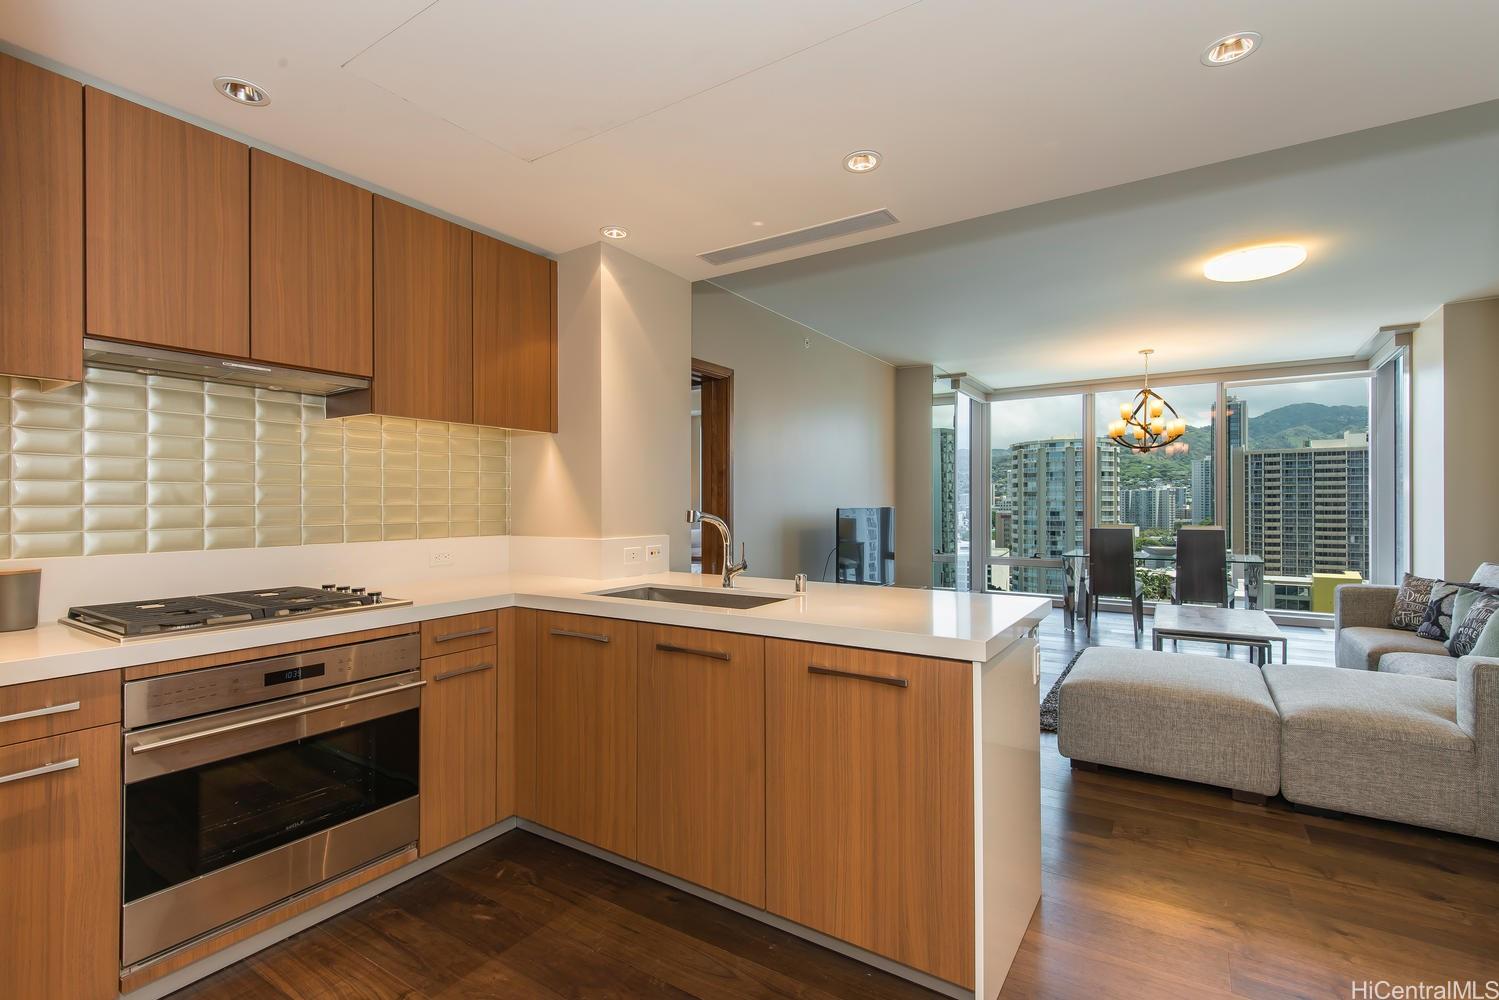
(1230, 626)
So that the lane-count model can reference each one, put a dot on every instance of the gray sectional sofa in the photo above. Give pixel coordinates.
(1364, 640)
(1392, 746)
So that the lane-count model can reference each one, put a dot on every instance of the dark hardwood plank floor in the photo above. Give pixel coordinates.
(1152, 888)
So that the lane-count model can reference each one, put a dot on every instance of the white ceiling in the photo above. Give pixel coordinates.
(1396, 221)
(689, 121)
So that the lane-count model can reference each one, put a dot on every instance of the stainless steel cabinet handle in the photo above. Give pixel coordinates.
(712, 654)
(464, 635)
(477, 668)
(566, 634)
(37, 713)
(899, 682)
(37, 772)
(277, 717)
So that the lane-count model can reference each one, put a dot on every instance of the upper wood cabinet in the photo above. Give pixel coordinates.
(515, 337)
(41, 236)
(869, 801)
(423, 315)
(312, 271)
(167, 231)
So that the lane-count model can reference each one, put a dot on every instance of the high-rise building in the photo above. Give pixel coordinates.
(1204, 503)
(1155, 508)
(1039, 486)
(1306, 509)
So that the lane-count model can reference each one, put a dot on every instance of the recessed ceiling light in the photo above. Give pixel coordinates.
(1231, 48)
(241, 91)
(861, 161)
(614, 232)
(1254, 263)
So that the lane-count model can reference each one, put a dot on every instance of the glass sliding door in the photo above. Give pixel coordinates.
(1036, 490)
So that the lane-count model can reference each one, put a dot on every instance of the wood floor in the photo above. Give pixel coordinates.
(1152, 889)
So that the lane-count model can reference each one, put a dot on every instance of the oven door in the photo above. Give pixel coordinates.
(229, 813)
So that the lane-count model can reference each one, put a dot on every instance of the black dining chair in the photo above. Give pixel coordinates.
(1202, 566)
(1111, 573)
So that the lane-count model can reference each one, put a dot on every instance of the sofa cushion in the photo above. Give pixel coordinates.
(1375, 744)
(1411, 602)
(1198, 718)
(1362, 646)
(1438, 665)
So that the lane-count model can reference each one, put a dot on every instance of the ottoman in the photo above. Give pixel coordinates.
(1198, 718)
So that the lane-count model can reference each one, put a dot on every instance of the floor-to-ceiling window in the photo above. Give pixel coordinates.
(1037, 490)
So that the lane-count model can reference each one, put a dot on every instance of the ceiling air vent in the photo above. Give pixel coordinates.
(800, 237)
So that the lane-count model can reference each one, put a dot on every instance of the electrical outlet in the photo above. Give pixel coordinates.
(634, 554)
(441, 558)
(652, 553)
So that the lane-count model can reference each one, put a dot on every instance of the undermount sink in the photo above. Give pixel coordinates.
(692, 595)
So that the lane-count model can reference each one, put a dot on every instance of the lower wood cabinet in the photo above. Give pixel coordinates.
(701, 722)
(460, 746)
(60, 866)
(585, 763)
(869, 801)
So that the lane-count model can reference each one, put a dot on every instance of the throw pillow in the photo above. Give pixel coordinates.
(1437, 622)
(1487, 575)
(1411, 602)
(1480, 612)
(1488, 640)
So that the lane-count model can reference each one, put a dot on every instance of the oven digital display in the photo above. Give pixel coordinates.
(294, 674)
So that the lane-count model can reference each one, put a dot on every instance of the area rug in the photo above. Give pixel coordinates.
(1050, 703)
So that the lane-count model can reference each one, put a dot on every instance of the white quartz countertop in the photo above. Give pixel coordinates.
(937, 623)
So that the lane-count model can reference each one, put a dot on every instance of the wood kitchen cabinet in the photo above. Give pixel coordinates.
(423, 315)
(41, 239)
(60, 866)
(585, 749)
(311, 287)
(869, 801)
(701, 721)
(167, 229)
(460, 745)
(515, 337)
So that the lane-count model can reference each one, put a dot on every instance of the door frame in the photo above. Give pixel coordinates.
(717, 388)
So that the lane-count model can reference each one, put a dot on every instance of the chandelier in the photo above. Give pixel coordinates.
(1143, 424)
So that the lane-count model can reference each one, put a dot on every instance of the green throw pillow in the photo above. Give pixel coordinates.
(1488, 640)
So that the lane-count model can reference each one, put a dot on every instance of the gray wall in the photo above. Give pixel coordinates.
(814, 430)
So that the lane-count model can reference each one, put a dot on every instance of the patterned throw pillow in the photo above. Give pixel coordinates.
(1411, 602)
(1465, 636)
(1437, 622)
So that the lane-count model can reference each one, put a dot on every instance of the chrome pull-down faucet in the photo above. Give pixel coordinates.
(731, 569)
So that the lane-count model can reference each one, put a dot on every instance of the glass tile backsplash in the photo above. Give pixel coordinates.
(124, 462)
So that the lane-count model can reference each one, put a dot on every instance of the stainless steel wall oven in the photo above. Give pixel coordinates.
(248, 784)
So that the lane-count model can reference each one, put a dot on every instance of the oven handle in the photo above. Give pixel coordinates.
(246, 724)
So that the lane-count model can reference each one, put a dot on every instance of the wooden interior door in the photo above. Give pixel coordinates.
(716, 387)
(41, 237)
(702, 758)
(869, 801)
(515, 337)
(460, 746)
(585, 729)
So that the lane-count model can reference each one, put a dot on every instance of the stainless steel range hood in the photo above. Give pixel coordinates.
(205, 368)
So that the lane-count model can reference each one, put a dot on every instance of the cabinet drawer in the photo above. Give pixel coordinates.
(65, 705)
(442, 636)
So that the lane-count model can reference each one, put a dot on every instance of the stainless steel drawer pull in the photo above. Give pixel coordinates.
(37, 772)
(464, 635)
(566, 634)
(277, 717)
(477, 668)
(37, 713)
(712, 654)
(899, 682)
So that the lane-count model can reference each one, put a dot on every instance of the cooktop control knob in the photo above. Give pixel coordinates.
(356, 591)
(330, 586)
(342, 588)
(375, 596)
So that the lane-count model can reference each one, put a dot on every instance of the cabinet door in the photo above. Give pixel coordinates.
(423, 315)
(167, 229)
(515, 337)
(310, 289)
(702, 758)
(585, 729)
(60, 866)
(460, 748)
(869, 801)
(41, 240)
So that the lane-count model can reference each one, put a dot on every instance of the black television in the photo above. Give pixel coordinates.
(866, 546)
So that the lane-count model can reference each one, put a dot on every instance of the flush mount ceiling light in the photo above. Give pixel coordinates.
(1254, 263)
(1231, 48)
(241, 91)
(614, 232)
(861, 161)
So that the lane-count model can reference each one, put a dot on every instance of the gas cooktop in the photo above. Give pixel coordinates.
(152, 619)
